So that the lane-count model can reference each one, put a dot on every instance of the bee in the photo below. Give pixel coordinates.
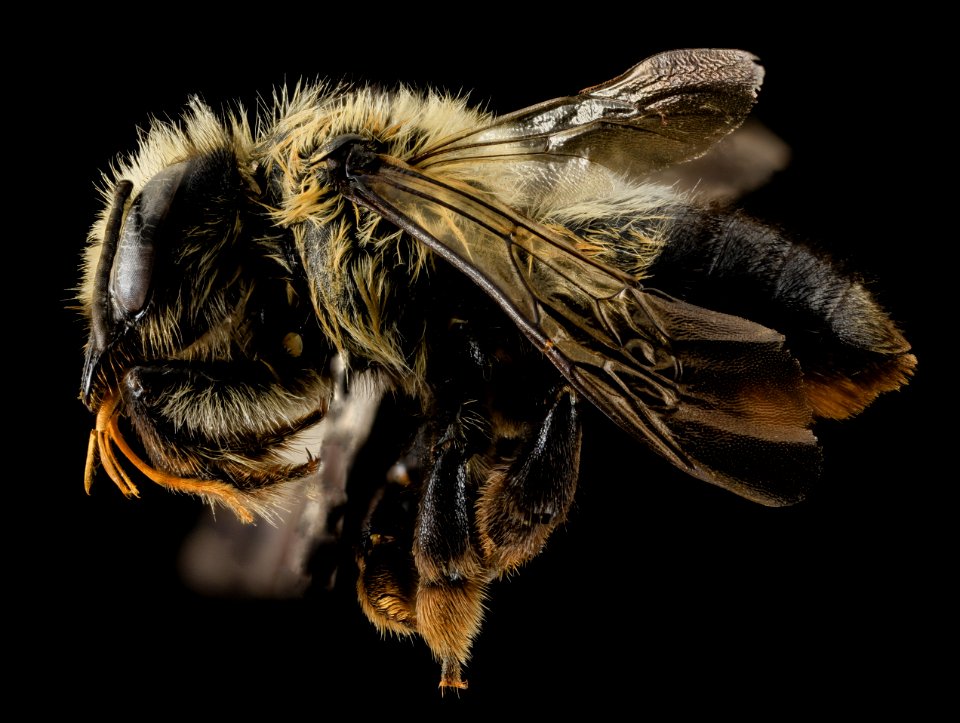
(488, 279)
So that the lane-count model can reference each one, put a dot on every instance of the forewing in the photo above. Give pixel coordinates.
(668, 108)
(717, 395)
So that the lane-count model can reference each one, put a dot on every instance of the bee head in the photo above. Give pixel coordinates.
(170, 278)
(197, 331)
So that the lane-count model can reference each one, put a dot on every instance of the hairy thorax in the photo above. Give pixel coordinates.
(363, 272)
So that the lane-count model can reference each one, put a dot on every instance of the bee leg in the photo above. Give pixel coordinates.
(383, 486)
(452, 579)
(387, 580)
(518, 510)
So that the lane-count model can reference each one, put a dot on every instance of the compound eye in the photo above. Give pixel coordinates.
(133, 265)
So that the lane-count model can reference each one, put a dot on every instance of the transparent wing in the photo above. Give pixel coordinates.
(717, 395)
(669, 108)
(740, 163)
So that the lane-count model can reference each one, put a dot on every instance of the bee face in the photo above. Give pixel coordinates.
(490, 277)
(191, 288)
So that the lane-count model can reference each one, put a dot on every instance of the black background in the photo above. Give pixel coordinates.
(660, 590)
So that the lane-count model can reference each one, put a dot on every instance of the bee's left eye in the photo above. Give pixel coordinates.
(133, 265)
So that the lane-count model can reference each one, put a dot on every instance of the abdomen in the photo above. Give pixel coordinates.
(849, 348)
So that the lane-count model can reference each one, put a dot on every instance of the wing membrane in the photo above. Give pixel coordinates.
(668, 108)
(717, 395)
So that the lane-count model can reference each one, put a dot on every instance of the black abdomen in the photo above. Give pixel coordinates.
(847, 345)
